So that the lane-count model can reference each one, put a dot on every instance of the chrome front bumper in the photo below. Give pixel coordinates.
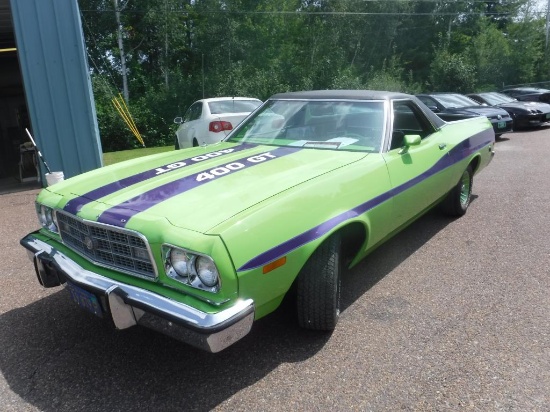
(129, 305)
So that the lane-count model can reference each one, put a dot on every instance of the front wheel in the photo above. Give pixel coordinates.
(176, 144)
(458, 199)
(318, 287)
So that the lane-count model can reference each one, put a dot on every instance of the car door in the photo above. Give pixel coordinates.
(417, 173)
(191, 120)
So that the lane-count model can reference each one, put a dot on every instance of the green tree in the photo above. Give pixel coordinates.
(178, 51)
(490, 48)
(452, 73)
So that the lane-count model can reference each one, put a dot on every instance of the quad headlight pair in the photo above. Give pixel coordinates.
(191, 268)
(46, 217)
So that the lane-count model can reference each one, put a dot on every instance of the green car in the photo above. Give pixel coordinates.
(199, 243)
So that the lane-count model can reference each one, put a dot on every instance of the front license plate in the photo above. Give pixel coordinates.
(501, 125)
(85, 299)
(548, 115)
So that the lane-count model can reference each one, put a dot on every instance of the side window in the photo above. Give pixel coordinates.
(408, 119)
(427, 101)
(194, 112)
(187, 115)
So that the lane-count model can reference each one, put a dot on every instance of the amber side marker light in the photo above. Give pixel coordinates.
(274, 265)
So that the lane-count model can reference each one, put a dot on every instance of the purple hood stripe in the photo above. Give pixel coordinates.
(120, 214)
(74, 205)
(458, 153)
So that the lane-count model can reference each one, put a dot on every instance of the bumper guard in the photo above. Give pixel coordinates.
(130, 305)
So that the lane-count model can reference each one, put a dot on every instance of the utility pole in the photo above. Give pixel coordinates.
(547, 21)
(166, 44)
(125, 92)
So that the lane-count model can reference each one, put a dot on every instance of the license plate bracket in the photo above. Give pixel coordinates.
(86, 300)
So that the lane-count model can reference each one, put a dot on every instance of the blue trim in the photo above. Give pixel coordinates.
(455, 155)
(74, 205)
(120, 215)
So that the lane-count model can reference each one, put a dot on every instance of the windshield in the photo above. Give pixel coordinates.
(233, 106)
(497, 98)
(453, 101)
(331, 124)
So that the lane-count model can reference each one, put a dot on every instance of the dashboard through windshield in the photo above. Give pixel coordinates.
(330, 124)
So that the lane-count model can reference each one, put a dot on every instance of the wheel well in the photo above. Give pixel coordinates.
(354, 236)
(474, 164)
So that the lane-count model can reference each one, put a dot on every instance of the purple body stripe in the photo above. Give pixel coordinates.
(120, 214)
(458, 153)
(74, 205)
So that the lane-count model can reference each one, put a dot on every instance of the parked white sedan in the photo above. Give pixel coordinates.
(210, 120)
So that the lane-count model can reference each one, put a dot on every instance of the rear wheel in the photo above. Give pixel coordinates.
(457, 201)
(318, 287)
(176, 143)
(195, 143)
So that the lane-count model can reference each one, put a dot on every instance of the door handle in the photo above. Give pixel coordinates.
(442, 146)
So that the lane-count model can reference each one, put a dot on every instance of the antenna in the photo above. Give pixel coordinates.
(38, 150)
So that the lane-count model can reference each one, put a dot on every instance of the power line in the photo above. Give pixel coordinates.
(319, 13)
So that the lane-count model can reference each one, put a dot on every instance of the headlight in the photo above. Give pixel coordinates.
(180, 262)
(206, 270)
(190, 268)
(46, 217)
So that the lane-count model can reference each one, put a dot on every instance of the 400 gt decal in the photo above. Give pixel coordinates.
(120, 214)
(74, 205)
(231, 167)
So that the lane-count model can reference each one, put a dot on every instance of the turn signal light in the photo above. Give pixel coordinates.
(274, 265)
(219, 125)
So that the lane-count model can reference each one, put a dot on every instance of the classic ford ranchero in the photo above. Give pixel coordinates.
(198, 243)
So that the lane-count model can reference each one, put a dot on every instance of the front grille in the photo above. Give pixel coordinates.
(502, 117)
(116, 248)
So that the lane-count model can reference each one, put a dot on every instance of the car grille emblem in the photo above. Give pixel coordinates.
(89, 243)
(499, 117)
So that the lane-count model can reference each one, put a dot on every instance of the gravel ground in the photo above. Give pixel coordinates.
(448, 315)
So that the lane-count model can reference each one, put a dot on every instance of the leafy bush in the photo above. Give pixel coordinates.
(452, 72)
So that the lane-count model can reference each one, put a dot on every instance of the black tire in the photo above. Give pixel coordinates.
(458, 199)
(195, 143)
(176, 144)
(318, 287)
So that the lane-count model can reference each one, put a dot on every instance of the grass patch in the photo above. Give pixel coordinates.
(115, 157)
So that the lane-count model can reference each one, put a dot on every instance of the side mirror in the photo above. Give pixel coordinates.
(410, 140)
(433, 109)
(178, 120)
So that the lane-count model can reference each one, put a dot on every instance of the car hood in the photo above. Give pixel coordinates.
(543, 107)
(479, 110)
(195, 189)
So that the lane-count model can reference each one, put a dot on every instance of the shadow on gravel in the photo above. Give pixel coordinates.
(391, 254)
(58, 358)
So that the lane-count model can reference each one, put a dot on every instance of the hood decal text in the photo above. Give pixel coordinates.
(74, 205)
(120, 214)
